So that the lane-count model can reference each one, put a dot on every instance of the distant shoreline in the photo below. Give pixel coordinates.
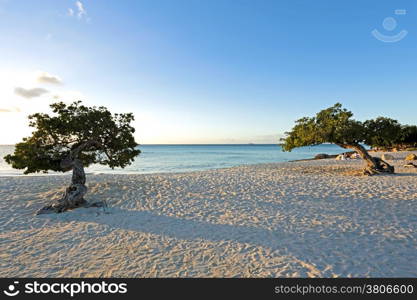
(185, 158)
(247, 144)
(134, 173)
(93, 171)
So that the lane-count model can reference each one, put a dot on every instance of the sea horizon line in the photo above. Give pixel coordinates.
(196, 144)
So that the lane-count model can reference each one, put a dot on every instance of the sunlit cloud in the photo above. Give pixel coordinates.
(70, 12)
(21, 94)
(30, 93)
(68, 96)
(9, 110)
(45, 77)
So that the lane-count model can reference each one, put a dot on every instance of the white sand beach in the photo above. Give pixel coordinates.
(299, 219)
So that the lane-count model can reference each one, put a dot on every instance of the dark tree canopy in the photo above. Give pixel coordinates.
(382, 132)
(409, 135)
(91, 134)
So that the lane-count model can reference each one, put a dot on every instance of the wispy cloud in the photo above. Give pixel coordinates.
(68, 95)
(45, 77)
(81, 10)
(78, 11)
(30, 93)
(48, 36)
(8, 110)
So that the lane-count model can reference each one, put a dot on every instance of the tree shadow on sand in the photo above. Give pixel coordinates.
(347, 252)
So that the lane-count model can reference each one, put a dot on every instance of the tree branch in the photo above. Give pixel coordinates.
(75, 152)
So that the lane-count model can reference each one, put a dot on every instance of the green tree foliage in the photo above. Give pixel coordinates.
(90, 134)
(335, 125)
(332, 125)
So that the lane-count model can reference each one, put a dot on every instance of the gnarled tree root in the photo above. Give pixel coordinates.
(379, 167)
(74, 194)
(375, 165)
(73, 198)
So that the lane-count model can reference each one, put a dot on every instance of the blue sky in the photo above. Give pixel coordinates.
(230, 71)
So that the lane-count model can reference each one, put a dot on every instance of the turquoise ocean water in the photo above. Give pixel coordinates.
(185, 158)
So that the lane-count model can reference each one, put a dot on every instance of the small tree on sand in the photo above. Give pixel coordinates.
(335, 125)
(75, 137)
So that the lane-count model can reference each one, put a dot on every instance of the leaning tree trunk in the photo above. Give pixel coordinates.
(74, 194)
(375, 165)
